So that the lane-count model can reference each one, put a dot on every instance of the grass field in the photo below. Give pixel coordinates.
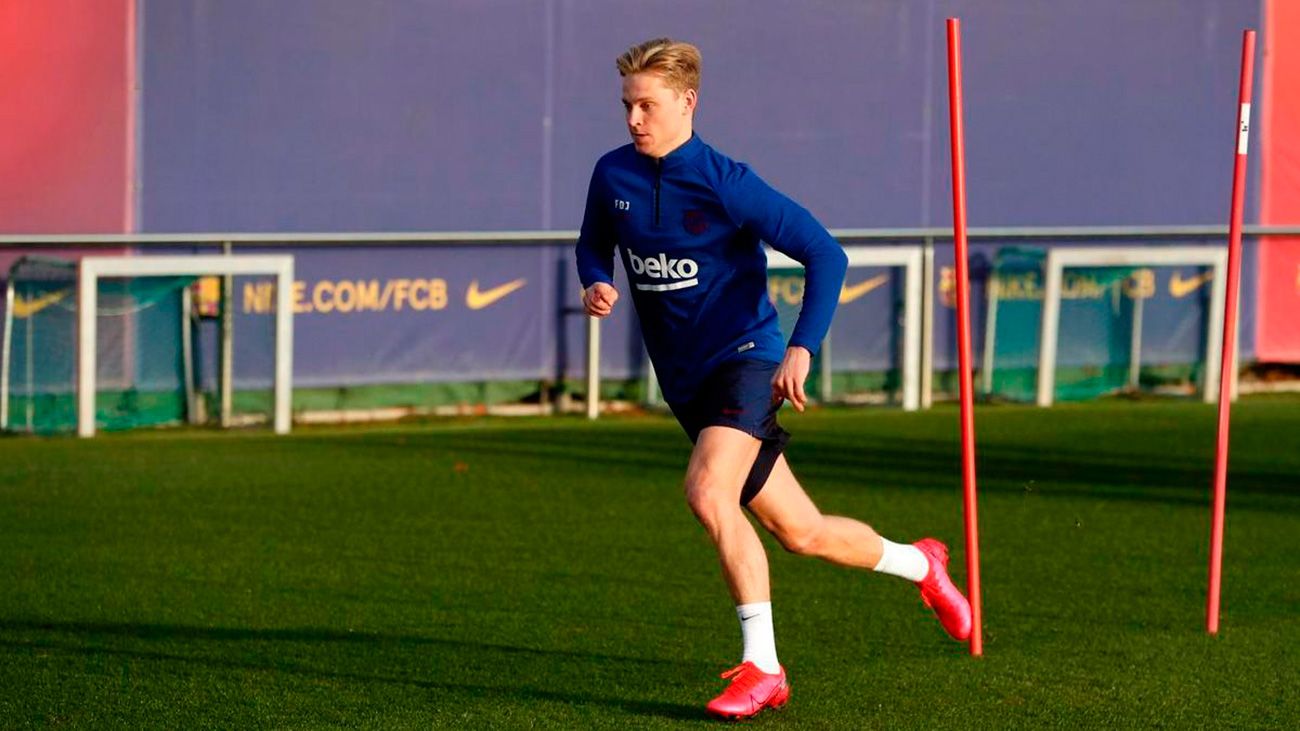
(546, 573)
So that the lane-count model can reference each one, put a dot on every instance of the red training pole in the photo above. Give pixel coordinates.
(963, 336)
(1228, 363)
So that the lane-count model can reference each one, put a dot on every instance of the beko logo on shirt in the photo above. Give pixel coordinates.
(661, 267)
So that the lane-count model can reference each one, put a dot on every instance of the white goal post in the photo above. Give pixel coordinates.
(1060, 258)
(92, 268)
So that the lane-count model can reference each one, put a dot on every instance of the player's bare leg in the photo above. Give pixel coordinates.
(787, 512)
(715, 477)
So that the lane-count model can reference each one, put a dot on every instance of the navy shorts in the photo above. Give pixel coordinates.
(738, 394)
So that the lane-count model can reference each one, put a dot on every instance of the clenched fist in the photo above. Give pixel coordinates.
(598, 299)
(788, 381)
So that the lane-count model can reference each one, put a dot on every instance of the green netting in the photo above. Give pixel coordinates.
(139, 379)
(114, 411)
(1095, 333)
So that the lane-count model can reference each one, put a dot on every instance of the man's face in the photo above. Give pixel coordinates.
(658, 118)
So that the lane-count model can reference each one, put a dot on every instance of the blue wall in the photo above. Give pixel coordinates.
(464, 115)
(308, 115)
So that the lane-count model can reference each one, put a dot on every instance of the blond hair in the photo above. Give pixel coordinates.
(677, 63)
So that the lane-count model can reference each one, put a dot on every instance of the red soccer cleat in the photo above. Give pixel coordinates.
(751, 691)
(939, 594)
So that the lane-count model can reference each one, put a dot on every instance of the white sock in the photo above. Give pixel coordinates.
(903, 560)
(760, 640)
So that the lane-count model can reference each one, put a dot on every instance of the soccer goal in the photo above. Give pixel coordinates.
(874, 345)
(92, 268)
(1127, 259)
(106, 342)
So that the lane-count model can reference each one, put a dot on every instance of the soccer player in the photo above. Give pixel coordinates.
(688, 221)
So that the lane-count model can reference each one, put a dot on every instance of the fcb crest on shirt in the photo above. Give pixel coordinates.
(695, 222)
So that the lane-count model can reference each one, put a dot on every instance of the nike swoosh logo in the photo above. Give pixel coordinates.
(848, 294)
(476, 300)
(24, 308)
(1180, 287)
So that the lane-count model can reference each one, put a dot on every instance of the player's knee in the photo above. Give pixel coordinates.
(709, 501)
(803, 540)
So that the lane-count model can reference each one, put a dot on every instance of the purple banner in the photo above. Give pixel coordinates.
(405, 315)
(474, 313)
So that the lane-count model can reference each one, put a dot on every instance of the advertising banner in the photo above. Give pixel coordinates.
(429, 314)
(406, 314)
(1097, 310)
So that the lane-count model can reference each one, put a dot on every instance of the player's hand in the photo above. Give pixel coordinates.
(598, 299)
(788, 382)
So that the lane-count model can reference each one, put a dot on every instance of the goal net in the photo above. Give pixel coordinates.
(140, 379)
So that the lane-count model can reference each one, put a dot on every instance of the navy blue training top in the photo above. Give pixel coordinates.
(689, 226)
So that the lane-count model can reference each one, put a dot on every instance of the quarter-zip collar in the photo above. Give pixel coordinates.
(679, 155)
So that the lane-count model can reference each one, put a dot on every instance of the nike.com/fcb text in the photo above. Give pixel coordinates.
(376, 295)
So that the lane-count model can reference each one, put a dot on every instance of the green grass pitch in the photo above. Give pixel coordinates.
(546, 573)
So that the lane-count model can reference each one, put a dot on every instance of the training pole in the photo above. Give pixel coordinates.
(1228, 362)
(963, 335)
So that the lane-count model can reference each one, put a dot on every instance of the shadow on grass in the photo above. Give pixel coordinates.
(1116, 462)
(598, 664)
(1079, 471)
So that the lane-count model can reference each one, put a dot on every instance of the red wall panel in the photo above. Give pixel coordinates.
(1278, 323)
(66, 142)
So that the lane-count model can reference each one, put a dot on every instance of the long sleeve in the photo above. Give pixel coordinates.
(597, 238)
(790, 229)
